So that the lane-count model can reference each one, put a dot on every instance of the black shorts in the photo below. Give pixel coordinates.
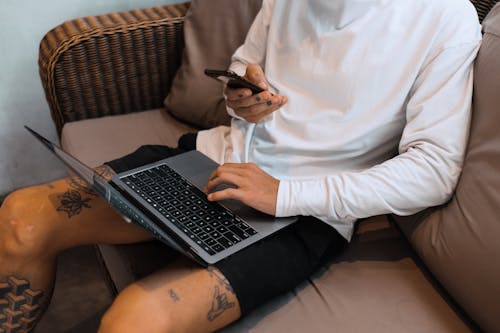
(270, 267)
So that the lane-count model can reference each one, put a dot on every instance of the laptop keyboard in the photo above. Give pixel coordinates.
(210, 225)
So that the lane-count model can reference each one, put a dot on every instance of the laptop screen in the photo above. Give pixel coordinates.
(82, 170)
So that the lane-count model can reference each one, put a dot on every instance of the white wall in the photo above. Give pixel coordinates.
(22, 25)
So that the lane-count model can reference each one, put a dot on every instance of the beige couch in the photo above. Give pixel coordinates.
(437, 271)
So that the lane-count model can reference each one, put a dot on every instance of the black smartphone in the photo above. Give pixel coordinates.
(232, 80)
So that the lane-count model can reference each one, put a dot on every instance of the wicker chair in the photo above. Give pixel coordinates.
(111, 64)
(118, 64)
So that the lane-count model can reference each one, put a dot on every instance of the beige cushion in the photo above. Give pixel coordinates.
(95, 141)
(212, 31)
(460, 242)
(375, 286)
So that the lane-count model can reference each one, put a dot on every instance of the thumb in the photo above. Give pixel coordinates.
(255, 75)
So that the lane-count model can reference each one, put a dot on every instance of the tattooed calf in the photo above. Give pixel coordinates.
(219, 305)
(19, 305)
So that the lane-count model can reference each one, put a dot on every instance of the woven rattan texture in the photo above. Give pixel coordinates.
(111, 64)
(483, 7)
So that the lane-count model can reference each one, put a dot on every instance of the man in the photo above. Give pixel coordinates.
(365, 111)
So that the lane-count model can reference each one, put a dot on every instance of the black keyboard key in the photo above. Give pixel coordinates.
(196, 230)
(251, 231)
(209, 250)
(243, 226)
(201, 224)
(218, 248)
(232, 237)
(215, 234)
(225, 242)
(210, 241)
(240, 233)
(204, 237)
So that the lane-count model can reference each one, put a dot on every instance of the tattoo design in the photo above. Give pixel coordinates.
(72, 203)
(214, 273)
(219, 305)
(173, 295)
(19, 305)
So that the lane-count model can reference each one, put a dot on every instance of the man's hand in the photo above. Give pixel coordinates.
(253, 186)
(254, 108)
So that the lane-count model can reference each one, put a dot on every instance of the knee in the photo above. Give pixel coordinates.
(135, 312)
(21, 232)
(110, 323)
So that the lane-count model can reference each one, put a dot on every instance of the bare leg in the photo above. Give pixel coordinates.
(184, 298)
(36, 224)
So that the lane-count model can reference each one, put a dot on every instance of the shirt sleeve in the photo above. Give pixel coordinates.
(431, 152)
(253, 50)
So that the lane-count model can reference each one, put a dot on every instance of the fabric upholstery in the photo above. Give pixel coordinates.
(212, 32)
(374, 286)
(95, 141)
(459, 242)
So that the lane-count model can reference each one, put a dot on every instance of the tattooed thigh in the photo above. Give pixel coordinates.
(20, 305)
(79, 194)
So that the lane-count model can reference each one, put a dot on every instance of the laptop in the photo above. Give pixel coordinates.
(166, 198)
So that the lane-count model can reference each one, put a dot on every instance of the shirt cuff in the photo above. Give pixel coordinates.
(233, 114)
(302, 197)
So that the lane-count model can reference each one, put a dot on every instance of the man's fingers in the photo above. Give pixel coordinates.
(255, 74)
(226, 167)
(252, 186)
(246, 101)
(229, 173)
(229, 193)
(256, 113)
(236, 94)
(225, 178)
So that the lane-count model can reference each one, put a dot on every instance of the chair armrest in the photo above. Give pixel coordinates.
(111, 64)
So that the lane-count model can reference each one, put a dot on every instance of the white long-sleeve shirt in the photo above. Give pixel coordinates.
(379, 97)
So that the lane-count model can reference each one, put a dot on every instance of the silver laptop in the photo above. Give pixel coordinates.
(166, 199)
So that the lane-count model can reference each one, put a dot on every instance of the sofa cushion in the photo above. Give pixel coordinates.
(213, 29)
(374, 286)
(459, 242)
(99, 140)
